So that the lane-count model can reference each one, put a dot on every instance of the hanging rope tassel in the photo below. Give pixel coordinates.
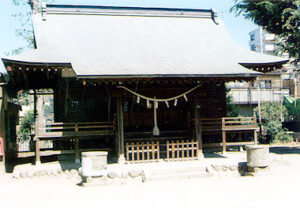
(175, 102)
(185, 98)
(167, 104)
(138, 99)
(155, 129)
(148, 104)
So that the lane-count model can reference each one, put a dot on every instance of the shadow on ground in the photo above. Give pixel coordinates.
(285, 150)
(213, 155)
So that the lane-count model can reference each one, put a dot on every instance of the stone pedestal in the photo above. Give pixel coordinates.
(258, 156)
(121, 159)
(94, 181)
(258, 159)
(94, 165)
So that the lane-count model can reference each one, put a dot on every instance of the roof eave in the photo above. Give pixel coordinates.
(133, 76)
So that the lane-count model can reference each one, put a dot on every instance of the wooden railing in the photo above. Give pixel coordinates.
(182, 149)
(70, 131)
(238, 123)
(57, 130)
(142, 151)
(151, 151)
(228, 123)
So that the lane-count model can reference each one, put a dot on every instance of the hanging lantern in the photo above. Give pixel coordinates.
(175, 102)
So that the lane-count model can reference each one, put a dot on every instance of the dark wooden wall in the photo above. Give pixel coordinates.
(97, 102)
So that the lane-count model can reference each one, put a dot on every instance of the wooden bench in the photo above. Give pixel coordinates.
(70, 131)
(229, 124)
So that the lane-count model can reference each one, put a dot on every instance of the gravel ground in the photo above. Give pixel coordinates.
(279, 188)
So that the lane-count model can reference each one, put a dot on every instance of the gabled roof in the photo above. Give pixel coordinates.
(127, 41)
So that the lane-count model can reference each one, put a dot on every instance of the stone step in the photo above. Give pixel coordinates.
(177, 176)
(176, 170)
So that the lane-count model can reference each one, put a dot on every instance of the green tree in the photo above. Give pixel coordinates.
(271, 122)
(231, 109)
(25, 30)
(26, 124)
(280, 17)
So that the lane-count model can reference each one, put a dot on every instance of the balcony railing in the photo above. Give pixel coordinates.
(245, 96)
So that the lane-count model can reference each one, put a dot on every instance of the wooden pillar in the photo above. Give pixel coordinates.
(3, 112)
(66, 98)
(77, 158)
(224, 142)
(38, 112)
(120, 134)
(255, 137)
(198, 129)
(37, 151)
(240, 140)
(223, 137)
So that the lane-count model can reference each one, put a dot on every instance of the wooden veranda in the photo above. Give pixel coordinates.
(149, 149)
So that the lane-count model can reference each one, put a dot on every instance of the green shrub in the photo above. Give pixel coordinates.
(271, 123)
(231, 109)
(26, 124)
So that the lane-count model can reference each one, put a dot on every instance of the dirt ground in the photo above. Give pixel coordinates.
(279, 188)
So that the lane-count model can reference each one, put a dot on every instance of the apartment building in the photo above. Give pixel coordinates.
(272, 85)
(263, 42)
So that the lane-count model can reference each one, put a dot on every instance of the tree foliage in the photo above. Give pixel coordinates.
(231, 109)
(271, 122)
(272, 112)
(280, 17)
(26, 124)
(25, 30)
(23, 15)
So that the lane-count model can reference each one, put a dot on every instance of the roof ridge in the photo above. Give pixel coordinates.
(127, 11)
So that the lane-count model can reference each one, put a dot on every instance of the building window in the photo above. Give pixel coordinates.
(252, 37)
(265, 84)
(268, 84)
(253, 47)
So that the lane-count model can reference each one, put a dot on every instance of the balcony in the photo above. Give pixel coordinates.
(247, 96)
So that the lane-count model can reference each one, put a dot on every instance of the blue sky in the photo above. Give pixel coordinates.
(238, 27)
